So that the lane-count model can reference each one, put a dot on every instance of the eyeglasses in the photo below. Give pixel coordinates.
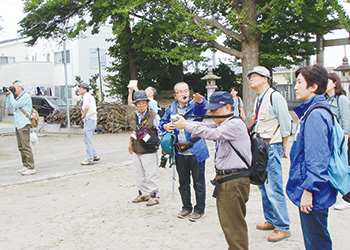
(141, 103)
(181, 92)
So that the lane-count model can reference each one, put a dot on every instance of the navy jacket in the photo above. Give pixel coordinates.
(199, 149)
(310, 155)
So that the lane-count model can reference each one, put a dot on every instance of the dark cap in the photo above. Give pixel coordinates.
(140, 95)
(84, 86)
(219, 99)
(261, 71)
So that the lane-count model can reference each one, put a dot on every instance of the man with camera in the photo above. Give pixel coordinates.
(191, 161)
(233, 189)
(144, 146)
(22, 105)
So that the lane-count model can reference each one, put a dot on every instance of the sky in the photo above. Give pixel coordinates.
(11, 12)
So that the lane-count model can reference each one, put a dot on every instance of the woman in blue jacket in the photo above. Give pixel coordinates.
(340, 106)
(308, 184)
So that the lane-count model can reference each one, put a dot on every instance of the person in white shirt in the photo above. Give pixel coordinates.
(89, 117)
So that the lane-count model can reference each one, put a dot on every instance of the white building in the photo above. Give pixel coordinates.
(41, 67)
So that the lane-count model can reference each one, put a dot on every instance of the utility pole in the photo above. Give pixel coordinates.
(99, 71)
(66, 82)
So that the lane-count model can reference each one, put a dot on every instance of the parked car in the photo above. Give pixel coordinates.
(45, 105)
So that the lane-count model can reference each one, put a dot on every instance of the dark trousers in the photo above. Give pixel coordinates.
(186, 165)
(315, 232)
(23, 143)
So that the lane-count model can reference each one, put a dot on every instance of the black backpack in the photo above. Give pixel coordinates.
(260, 157)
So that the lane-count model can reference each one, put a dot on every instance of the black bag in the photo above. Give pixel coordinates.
(260, 157)
(148, 139)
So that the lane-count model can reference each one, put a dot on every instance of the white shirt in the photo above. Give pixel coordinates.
(88, 99)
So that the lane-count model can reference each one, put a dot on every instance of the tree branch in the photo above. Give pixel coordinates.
(226, 50)
(259, 12)
(212, 21)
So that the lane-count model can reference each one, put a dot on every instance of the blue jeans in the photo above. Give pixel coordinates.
(273, 196)
(89, 129)
(185, 166)
(315, 232)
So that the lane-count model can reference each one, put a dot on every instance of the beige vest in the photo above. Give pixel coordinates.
(266, 126)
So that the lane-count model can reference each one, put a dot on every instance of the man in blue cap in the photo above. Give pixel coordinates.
(233, 193)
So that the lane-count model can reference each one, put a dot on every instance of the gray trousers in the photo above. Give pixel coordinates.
(89, 129)
(23, 143)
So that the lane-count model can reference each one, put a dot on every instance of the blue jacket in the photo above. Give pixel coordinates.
(310, 155)
(199, 149)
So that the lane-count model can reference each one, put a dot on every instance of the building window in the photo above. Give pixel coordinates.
(7, 60)
(59, 57)
(94, 58)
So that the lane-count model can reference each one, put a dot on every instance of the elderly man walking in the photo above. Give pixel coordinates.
(89, 117)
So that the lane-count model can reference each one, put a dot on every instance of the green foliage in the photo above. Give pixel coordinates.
(167, 32)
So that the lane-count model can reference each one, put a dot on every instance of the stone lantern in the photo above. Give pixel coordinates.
(344, 74)
(211, 79)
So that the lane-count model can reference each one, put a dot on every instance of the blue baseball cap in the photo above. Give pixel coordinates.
(219, 99)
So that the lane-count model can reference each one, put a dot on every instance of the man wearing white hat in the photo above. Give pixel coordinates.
(273, 122)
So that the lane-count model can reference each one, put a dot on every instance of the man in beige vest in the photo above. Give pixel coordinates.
(273, 123)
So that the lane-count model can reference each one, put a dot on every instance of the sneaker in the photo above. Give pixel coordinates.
(22, 170)
(342, 205)
(86, 163)
(97, 158)
(29, 172)
(153, 201)
(194, 217)
(183, 213)
(141, 198)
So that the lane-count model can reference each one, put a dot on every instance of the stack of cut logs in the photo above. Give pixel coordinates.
(110, 117)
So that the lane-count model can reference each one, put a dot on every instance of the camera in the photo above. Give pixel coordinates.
(11, 88)
(173, 118)
(163, 161)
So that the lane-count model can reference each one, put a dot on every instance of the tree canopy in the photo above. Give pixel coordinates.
(266, 32)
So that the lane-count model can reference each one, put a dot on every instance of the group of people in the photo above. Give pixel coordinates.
(308, 184)
(21, 101)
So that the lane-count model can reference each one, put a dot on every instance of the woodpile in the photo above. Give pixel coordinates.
(111, 117)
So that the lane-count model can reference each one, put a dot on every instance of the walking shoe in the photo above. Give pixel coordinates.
(29, 172)
(341, 205)
(194, 217)
(278, 235)
(22, 170)
(153, 201)
(183, 213)
(141, 198)
(86, 163)
(97, 158)
(265, 226)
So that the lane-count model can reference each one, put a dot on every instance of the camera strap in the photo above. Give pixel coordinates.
(208, 116)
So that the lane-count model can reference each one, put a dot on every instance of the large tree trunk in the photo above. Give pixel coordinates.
(249, 61)
(176, 73)
(131, 54)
